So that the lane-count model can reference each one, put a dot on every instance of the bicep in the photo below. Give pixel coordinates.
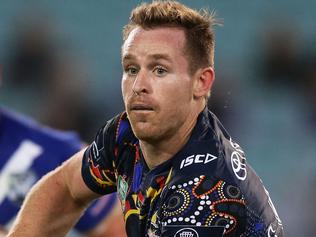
(72, 176)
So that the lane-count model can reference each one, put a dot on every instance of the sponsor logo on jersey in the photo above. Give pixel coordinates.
(238, 161)
(186, 232)
(195, 159)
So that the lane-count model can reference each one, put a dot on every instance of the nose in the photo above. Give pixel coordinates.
(141, 83)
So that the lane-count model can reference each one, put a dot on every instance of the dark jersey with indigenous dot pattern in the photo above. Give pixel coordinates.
(206, 189)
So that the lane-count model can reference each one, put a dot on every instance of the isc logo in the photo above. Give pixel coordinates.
(205, 158)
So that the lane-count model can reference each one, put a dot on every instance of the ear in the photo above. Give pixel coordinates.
(203, 82)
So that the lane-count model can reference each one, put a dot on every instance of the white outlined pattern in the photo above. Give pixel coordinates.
(238, 161)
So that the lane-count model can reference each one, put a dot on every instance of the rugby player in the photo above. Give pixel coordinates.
(176, 169)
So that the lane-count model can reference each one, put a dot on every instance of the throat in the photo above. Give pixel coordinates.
(160, 150)
(158, 153)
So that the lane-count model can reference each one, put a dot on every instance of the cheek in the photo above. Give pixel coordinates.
(124, 88)
(175, 97)
(179, 92)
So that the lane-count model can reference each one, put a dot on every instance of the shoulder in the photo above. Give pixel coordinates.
(110, 141)
(119, 127)
(114, 133)
(208, 151)
(233, 166)
(214, 175)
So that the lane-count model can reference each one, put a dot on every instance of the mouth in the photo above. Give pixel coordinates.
(141, 107)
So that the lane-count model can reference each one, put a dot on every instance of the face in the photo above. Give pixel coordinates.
(156, 85)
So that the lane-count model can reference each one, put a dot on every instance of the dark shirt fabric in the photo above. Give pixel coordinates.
(206, 189)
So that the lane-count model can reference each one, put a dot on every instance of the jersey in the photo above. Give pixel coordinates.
(27, 152)
(206, 189)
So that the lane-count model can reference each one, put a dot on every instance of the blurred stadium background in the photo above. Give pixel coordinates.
(60, 63)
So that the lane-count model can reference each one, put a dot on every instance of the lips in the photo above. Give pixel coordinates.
(141, 107)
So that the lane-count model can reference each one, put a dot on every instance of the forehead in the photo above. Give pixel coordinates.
(160, 40)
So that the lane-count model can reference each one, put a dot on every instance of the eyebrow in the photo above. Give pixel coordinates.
(153, 57)
(128, 57)
(160, 56)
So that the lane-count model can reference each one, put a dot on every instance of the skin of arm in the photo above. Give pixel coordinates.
(2, 232)
(55, 203)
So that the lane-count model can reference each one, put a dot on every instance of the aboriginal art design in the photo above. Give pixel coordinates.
(103, 177)
(204, 201)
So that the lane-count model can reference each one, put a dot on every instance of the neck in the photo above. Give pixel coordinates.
(157, 152)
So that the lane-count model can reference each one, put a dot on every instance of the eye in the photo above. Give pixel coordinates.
(131, 71)
(160, 71)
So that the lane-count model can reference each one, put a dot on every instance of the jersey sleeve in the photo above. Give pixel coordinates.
(98, 170)
(262, 218)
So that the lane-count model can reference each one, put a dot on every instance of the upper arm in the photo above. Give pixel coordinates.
(99, 161)
(90, 173)
(72, 176)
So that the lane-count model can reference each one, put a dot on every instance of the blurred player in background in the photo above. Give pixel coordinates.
(28, 151)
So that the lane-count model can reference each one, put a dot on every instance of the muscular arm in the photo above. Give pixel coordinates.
(55, 203)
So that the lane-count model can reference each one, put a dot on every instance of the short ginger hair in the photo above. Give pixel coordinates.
(197, 25)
